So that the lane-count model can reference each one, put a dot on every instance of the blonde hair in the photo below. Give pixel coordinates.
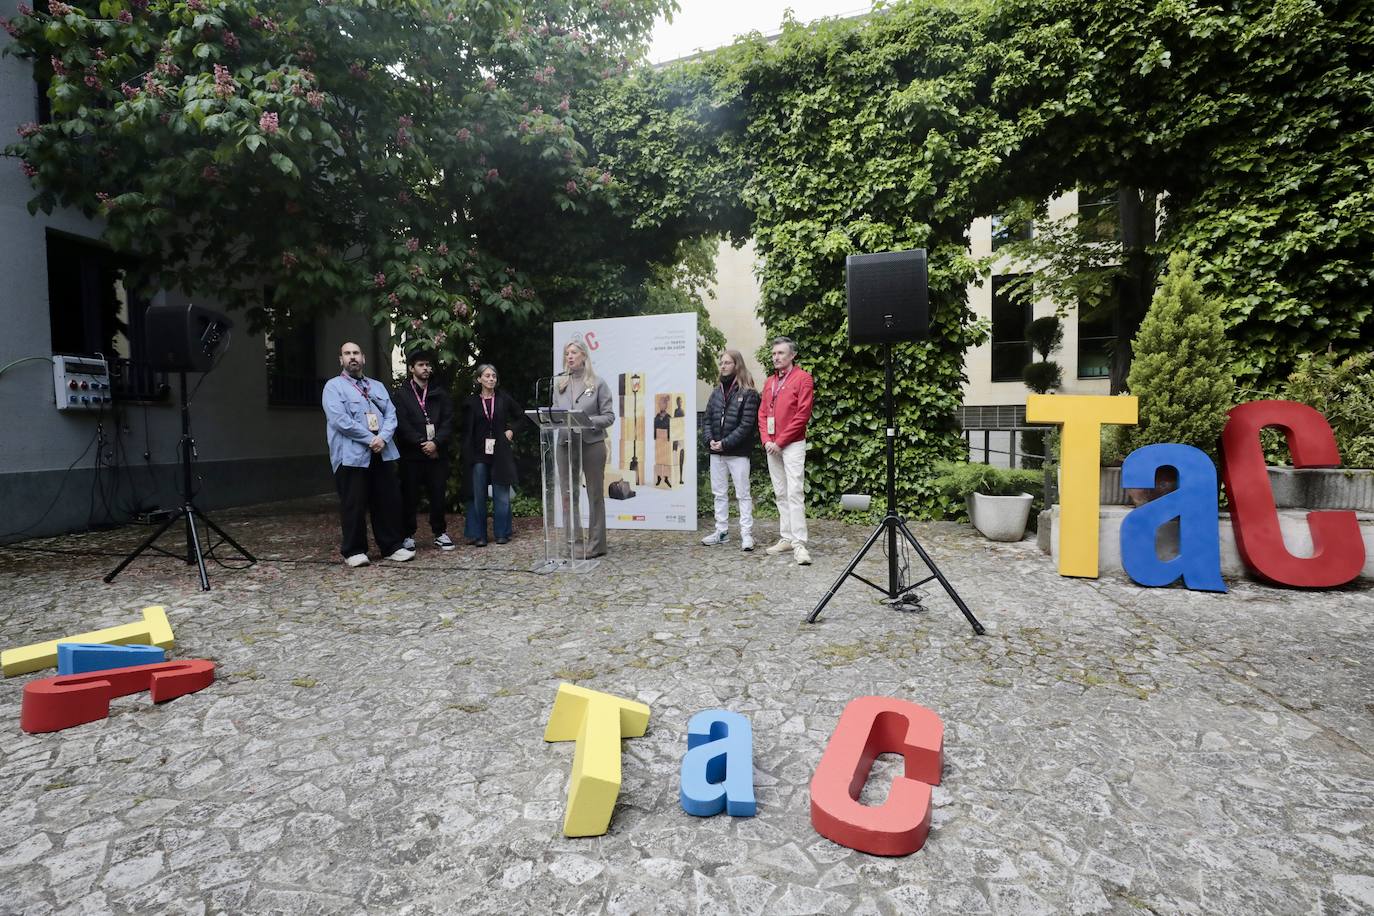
(590, 376)
(743, 378)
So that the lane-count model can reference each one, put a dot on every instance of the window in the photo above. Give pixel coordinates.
(1095, 338)
(1002, 232)
(1099, 215)
(292, 374)
(91, 310)
(1011, 318)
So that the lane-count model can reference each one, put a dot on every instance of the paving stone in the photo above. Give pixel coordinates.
(374, 739)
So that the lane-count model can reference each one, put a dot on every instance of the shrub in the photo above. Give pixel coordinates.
(955, 480)
(1046, 335)
(1042, 377)
(1182, 367)
(1344, 393)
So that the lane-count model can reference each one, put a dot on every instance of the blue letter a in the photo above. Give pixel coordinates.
(718, 768)
(1194, 504)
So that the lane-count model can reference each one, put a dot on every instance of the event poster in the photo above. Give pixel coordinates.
(649, 363)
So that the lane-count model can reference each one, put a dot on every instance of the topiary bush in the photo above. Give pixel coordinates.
(1182, 367)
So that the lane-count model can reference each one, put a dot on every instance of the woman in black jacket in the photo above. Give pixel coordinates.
(489, 422)
(732, 421)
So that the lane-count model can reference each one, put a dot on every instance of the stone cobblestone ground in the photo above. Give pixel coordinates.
(374, 741)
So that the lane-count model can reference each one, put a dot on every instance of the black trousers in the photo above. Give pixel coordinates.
(431, 475)
(373, 490)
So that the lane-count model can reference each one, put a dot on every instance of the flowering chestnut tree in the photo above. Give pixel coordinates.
(407, 158)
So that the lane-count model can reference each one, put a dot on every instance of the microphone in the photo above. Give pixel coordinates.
(561, 374)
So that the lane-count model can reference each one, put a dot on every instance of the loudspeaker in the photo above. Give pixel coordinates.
(887, 296)
(184, 338)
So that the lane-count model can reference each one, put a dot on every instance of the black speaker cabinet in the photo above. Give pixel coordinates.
(887, 296)
(183, 338)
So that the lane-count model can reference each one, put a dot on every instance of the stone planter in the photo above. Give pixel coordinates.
(1000, 518)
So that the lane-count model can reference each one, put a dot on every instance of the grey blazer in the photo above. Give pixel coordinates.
(597, 404)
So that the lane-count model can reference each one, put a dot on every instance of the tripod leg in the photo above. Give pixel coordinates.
(210, 523)
(925, 557)
(194, 546)
(148, 542)
(872, 539)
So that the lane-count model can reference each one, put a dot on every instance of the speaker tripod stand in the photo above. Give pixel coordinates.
(194, 555)
(892, 526)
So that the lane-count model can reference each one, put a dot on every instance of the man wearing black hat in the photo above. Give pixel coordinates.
(424, 426)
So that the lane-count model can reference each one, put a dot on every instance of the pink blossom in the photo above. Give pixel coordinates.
(269, 123)
(507, 291)
(564, 105)
(414, 323)
(416, 272)
(440, 338)
(57, 66)
(102, 196)
(460, 308)
(210, 173)
(606, 179)
(231, 41)
(292, 208)
(492, 174)
(405, 121)
(357, 72)
(139, 4)
(402, 138)
(394, 299)
(125, 17)
(224, 82)
(274, 85)
(315, 98)
(307, 55)
(100, 54)
(464, 135)
(526, 293)
(9, 26)
(28, 129)
(489, 84)
(412, 244)
(442, 249)
(28, 170)
(262, 22)
(153, 87)
(195, 5)
(58, 8)
(93, 81)
(474, 285)
(379, 280)
(288, 260)
(130, 92)
(570, 187)
(297, 90)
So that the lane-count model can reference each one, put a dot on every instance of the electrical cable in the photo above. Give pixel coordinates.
(25, 359)
(62, 485)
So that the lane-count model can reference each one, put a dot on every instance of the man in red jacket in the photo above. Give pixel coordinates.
(784, 411)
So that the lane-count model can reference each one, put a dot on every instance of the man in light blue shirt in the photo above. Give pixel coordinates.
(360, 422)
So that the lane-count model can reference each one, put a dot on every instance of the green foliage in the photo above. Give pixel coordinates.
(1046, 334)
(1042, 376)
(1182, 368)
(422, 161)
(1343, 390)
(955, 480)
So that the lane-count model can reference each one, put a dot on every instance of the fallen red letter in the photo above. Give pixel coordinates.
(870, 726)
(60, 702)
(1337, 548)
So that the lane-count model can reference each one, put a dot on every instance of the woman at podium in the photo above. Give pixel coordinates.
(581, 390)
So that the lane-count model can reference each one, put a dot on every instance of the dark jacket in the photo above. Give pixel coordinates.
(733, 424)
(410, 420)
(506, 414)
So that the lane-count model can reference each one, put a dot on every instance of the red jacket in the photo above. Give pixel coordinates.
(790, 407)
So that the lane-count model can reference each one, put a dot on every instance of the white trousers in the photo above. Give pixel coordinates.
(788, 471)
(724, 469)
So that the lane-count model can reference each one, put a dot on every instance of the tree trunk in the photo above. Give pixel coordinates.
(1136, 288)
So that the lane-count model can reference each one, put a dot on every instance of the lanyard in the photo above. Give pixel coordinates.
(362, 389)
(778, 382)
(420, 397)
(727, 394)
(489, 409)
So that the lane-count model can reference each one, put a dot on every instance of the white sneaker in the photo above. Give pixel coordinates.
(746, 543)
(402, 555)
(443, 542)
(358, 559)
(801, 556)
(780, 547)
(714, 538)
(408, 543)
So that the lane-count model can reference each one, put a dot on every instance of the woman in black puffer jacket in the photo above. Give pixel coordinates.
(732, 421)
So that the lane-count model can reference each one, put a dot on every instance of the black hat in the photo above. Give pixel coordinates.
(417, 355)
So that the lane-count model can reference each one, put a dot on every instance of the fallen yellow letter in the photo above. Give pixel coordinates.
(153, 630)
(596, 721)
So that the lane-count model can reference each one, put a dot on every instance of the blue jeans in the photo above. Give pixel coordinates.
(475, 526)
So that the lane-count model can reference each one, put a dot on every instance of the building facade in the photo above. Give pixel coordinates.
(258, 428)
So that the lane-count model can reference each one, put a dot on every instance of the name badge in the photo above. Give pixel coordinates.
(373, 423)
(770, 426)
(429, 432)
(491, 446)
